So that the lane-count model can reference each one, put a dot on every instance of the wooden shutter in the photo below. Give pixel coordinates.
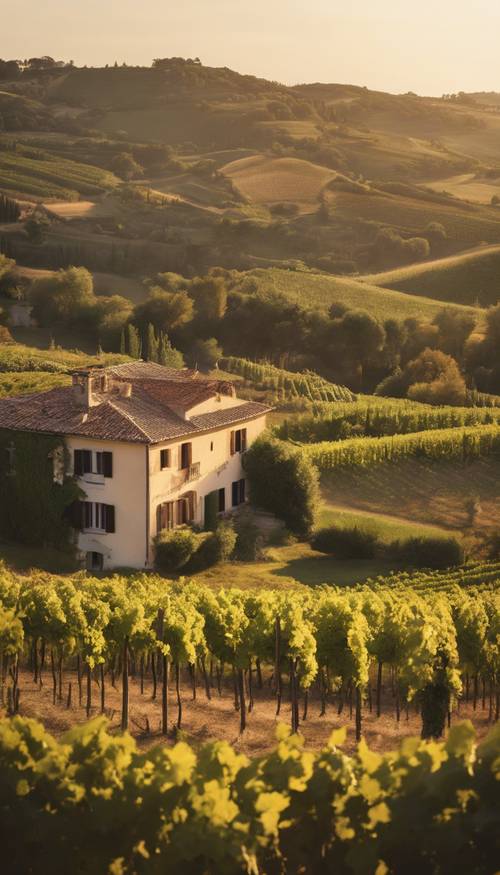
(164, 459)
(78, 463)
(110, 517)
(107, 464)
(233, 443)
(222, 500)
(243, 440)
(87, 461)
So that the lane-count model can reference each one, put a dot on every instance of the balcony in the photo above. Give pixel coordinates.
(193, 472)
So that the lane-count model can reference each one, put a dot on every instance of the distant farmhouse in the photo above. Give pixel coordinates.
(151, 447)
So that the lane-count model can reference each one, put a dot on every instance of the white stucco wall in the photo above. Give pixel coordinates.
(126, 490)
(217, 467)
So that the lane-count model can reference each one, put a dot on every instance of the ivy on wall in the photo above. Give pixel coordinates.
(35, 494)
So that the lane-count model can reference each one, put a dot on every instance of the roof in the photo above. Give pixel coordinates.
(155, 411)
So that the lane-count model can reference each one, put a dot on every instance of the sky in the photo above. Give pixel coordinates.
(430, 47)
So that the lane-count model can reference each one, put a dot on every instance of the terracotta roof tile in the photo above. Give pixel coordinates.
(152, 413)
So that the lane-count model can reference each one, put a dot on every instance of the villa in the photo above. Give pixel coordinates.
(151, 448)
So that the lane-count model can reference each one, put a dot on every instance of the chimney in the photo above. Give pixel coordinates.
(88, 387)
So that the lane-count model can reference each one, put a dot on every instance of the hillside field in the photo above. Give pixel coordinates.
(273, 180)
(466, 278)
(312, 289)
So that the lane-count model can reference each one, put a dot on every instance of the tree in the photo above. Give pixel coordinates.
(124, 165)
(133, 343)
(165, 310)
(205, 354)
(435, 378)
(454, 329)
(152, 345)
(283, 481)
(34, 228)
(361, 337)
(210, 297)
(61, 299)
(167, 355)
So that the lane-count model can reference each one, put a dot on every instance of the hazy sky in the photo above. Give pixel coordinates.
(430, 46)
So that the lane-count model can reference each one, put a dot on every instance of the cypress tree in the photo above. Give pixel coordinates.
(133, 341)
(152, 345)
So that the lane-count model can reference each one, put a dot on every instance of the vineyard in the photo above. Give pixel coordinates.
(379, 418)
(39, 174)
(434, 645)
(286, 385)
(460, 444)
(93, 802)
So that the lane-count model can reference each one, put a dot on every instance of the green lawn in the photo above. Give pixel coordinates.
(386, 527)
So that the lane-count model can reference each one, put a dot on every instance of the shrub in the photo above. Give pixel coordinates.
(283, 481)
(248, 537)
(424, 552)
(174, 549)
(345, 543)
(214, 547)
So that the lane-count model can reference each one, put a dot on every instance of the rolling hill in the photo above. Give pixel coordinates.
(319, 290)
(266, 180)
(466, 279)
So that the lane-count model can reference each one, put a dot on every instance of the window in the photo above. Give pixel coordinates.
(90, 462)
(164, 459)
(82, 462)
(238, 490)
(186, 456)
(222, 500)
(98, 516)
(104, 464)
(211, 446)
(165, 515)
(238, 441)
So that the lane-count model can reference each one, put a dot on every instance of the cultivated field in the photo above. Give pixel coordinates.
(274, 180)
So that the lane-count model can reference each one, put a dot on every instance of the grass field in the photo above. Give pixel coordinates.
(466, 278)
(425, 493)
(274, 180)
(321, 290)
(467, 186)
(466, 225)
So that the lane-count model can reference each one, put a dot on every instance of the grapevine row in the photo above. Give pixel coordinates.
(338, 421)
(93, 803)
(462, 444)
(286, 384)
(330, 642)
